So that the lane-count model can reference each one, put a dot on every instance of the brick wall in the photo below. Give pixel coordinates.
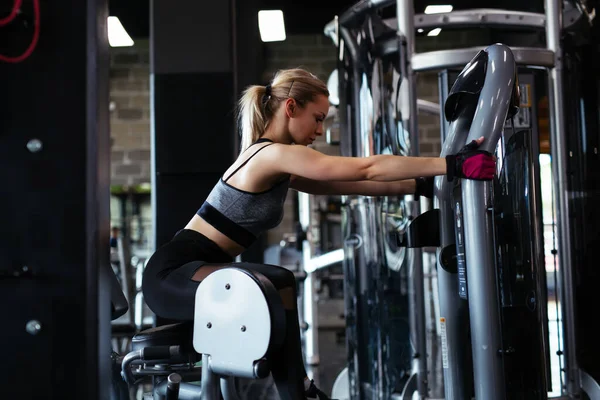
(130, 114)
(315, 53)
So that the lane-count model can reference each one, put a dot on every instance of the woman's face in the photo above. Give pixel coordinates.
(306, 123)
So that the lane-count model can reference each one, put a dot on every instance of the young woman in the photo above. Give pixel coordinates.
(278, 121)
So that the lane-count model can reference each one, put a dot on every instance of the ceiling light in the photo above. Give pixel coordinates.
(271, 25)
(117, 35)
(434, 32)
(438, 9)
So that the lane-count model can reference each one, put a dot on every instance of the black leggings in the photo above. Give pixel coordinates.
(169, 292)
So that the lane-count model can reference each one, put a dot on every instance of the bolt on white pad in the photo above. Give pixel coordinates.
(232, 322)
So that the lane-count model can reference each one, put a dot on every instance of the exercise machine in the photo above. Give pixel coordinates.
(239, 320)
(490, 360)
(384, 303)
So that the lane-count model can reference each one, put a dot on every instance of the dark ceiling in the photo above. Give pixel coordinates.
(303, 16)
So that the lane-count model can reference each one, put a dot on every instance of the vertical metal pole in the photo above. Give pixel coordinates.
(408, 103)
(408, 89)
(417, 311)
(211, 385)
(97, 328)
(309, 296)
(228, 388)
(477, 199)
(558, 148)
(454, 334)
(153, 177)
(311, 338)
(486, 339)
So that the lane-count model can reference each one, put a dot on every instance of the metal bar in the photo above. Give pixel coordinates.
(210, 381)
(408, 94)
(477, 18)
(324, 260)
(125, 274)
(351, 15)
(481, 17)
(95, 310)
(456, 362)
(483, 297)
(361, 8)
(484, 308)
(537, 223)
(442, 59)
(589, 385)
(428, 107)
(228, 389)
(351, 46)
(354, 12)
(309, 295)
(406, 30)
(330, 30)
(558, 150)
(409, 389)
(418, 306)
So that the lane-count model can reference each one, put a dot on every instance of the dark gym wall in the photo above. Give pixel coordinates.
(202, 55)
(54, 303)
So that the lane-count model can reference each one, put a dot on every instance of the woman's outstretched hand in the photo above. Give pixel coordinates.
(471, 163)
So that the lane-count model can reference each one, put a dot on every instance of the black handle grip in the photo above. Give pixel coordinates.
(154, 353)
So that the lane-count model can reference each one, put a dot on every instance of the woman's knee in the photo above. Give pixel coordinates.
(279, 276)
(287, 277)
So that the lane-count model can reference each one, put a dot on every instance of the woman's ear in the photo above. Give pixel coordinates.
(290, 107)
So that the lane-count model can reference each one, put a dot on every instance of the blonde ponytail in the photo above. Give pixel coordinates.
(250, 115)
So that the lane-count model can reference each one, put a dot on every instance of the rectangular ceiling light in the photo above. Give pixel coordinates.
(434, 32)
(438, 9)
(117, 35)
(271, 25)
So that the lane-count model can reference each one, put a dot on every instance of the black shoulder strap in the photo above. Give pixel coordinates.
(246, 161)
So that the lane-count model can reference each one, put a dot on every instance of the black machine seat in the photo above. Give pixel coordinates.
(179, 334)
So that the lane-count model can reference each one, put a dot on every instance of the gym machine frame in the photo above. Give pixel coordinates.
(341, 31)
(486, 367)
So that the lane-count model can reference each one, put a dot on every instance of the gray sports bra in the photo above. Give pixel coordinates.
(243, 216)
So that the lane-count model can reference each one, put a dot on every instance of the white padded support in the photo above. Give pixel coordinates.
(232, 322)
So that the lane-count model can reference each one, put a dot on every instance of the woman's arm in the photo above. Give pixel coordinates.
(363, 188)
(307, 163)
